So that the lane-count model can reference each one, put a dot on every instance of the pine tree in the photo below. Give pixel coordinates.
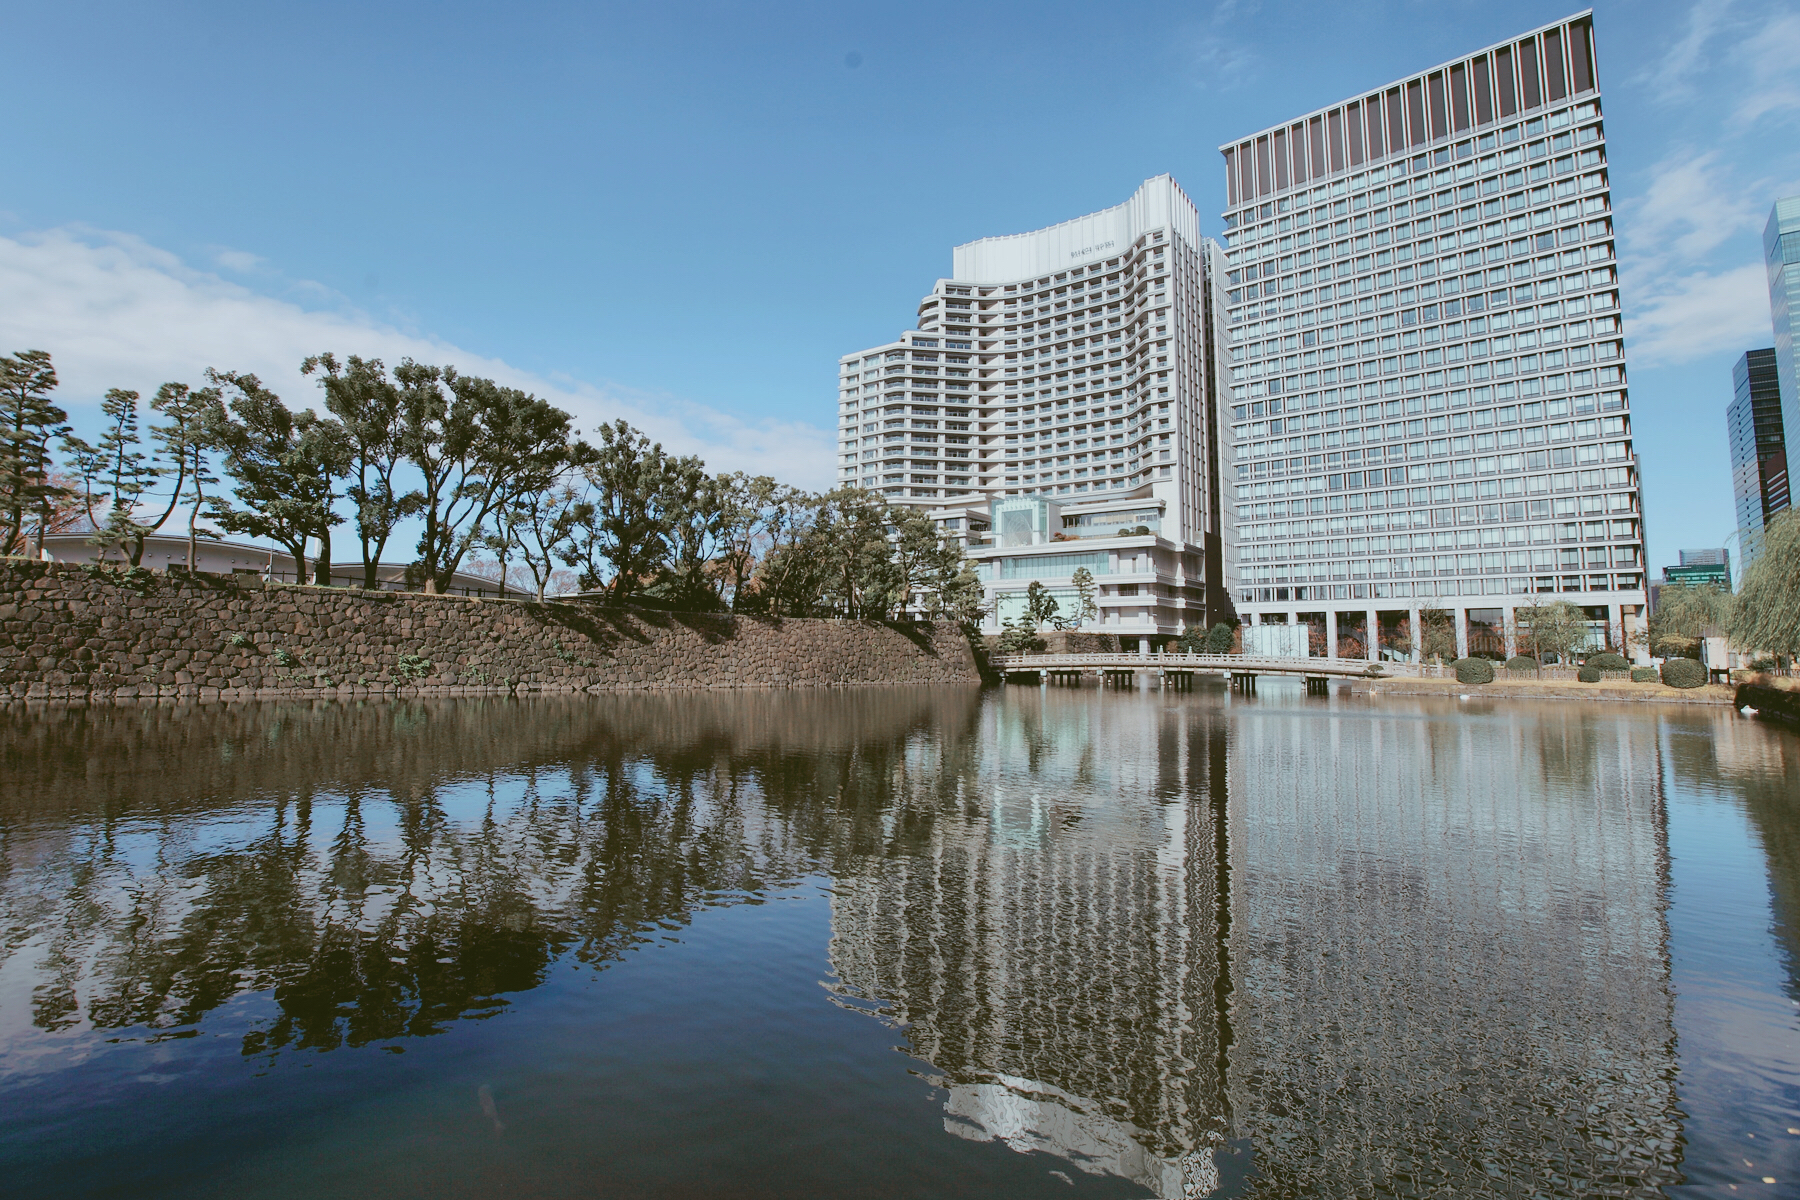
(28, 420)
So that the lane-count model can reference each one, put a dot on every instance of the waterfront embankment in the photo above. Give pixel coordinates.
(74, 633)
(1533, 689)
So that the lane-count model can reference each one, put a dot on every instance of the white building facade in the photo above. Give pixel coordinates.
(1428, 394)
(1058, 404)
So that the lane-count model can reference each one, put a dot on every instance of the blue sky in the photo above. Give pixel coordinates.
(683, 214)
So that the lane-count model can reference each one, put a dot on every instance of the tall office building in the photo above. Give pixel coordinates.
(1428, 387)
(1781, 252)
(1759, 476)
(1058, 404)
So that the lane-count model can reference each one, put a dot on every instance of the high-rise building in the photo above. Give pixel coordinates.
(1058, 404)
(1759, 475)
(1428, 390)
(1781, 252)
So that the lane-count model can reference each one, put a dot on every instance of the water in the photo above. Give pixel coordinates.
(899, 943)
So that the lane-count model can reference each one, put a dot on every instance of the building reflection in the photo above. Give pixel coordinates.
(1391, 952)
(1047, 935)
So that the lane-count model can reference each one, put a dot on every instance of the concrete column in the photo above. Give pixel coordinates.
(1371, 635)
(1412, 629)
(1462, 631)
(1509, 630)
(1615, 620)
(1331, 633)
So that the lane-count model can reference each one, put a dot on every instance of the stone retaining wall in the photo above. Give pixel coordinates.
(69, 632)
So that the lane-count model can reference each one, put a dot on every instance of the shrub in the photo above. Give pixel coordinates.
(1474, 670)
(1521, 663)
(1643, 674)
(412, 666)
(1608, 661)
(1683, 673)
(240, 640)
(286, 658)
(1589, 673)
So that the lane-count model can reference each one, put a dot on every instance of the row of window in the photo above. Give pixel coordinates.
(1363, 190)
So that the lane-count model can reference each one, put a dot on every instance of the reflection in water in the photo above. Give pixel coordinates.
(1049, 937)
(381, 871)
(1447, 943)
(1178, 943)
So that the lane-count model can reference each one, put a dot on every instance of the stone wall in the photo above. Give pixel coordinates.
(77, 633)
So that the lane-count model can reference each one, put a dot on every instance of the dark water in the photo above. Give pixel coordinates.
(899, 943)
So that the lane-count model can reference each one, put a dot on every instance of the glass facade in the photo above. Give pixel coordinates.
(1781, 251)
(1759, 478)
(1428, 394)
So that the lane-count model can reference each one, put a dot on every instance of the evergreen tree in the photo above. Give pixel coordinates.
(28, 421)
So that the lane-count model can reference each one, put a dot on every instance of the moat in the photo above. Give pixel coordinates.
(899, 942)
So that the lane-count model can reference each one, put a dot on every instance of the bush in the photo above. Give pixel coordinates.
(1683, 673)
(1608, 661)
(1643, 674)
(1521, 663)
(1474, 670)
(1589, 673)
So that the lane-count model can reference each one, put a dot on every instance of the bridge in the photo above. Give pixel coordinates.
(1177, 671)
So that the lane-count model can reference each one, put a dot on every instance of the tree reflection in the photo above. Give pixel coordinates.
(382, 871)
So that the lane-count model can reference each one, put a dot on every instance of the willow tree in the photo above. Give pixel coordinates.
(1766, 616)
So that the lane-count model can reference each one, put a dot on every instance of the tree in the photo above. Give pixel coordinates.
(1686, 614)
(1557, 628)
(361, 396)
(121, 464)
(860, 579)
(1085, 608)
(285, 465)
(1019, 637)
(27, 423)
(621, 523)
(791, 577)
(960, 597)
(1040, 603)
(476, 445)
(187, 439)
(754, 510)
(1219, 640)
(539, 525)
(1437, 634)
(694, 513)
(924, 559)
(1766, 616)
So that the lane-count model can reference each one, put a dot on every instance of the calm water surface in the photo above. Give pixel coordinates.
(899, 943)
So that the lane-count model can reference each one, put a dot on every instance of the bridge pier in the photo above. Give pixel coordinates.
(1243, 681)
(1318, 685)
(1178, 681)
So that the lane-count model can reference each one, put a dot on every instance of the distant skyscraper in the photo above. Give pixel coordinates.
(1427, 379)
(1781, 251)
(1759, 473)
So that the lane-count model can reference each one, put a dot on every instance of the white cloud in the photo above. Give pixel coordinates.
(1772, 55)
(1691, 207)
(241, 261)
(115, 311)
(1678, 318)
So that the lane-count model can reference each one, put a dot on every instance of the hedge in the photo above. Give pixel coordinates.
(1608, 661)
(1588, 673)
(1474, 670)
(1683, 673)
(1521, 662)
(1643, 674)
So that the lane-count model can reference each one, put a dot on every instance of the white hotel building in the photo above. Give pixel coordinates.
(1428, 400)
(1057, 403)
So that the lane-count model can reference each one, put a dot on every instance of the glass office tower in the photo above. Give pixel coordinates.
(1428, 397)
(1759, 478)
(1781, 251)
